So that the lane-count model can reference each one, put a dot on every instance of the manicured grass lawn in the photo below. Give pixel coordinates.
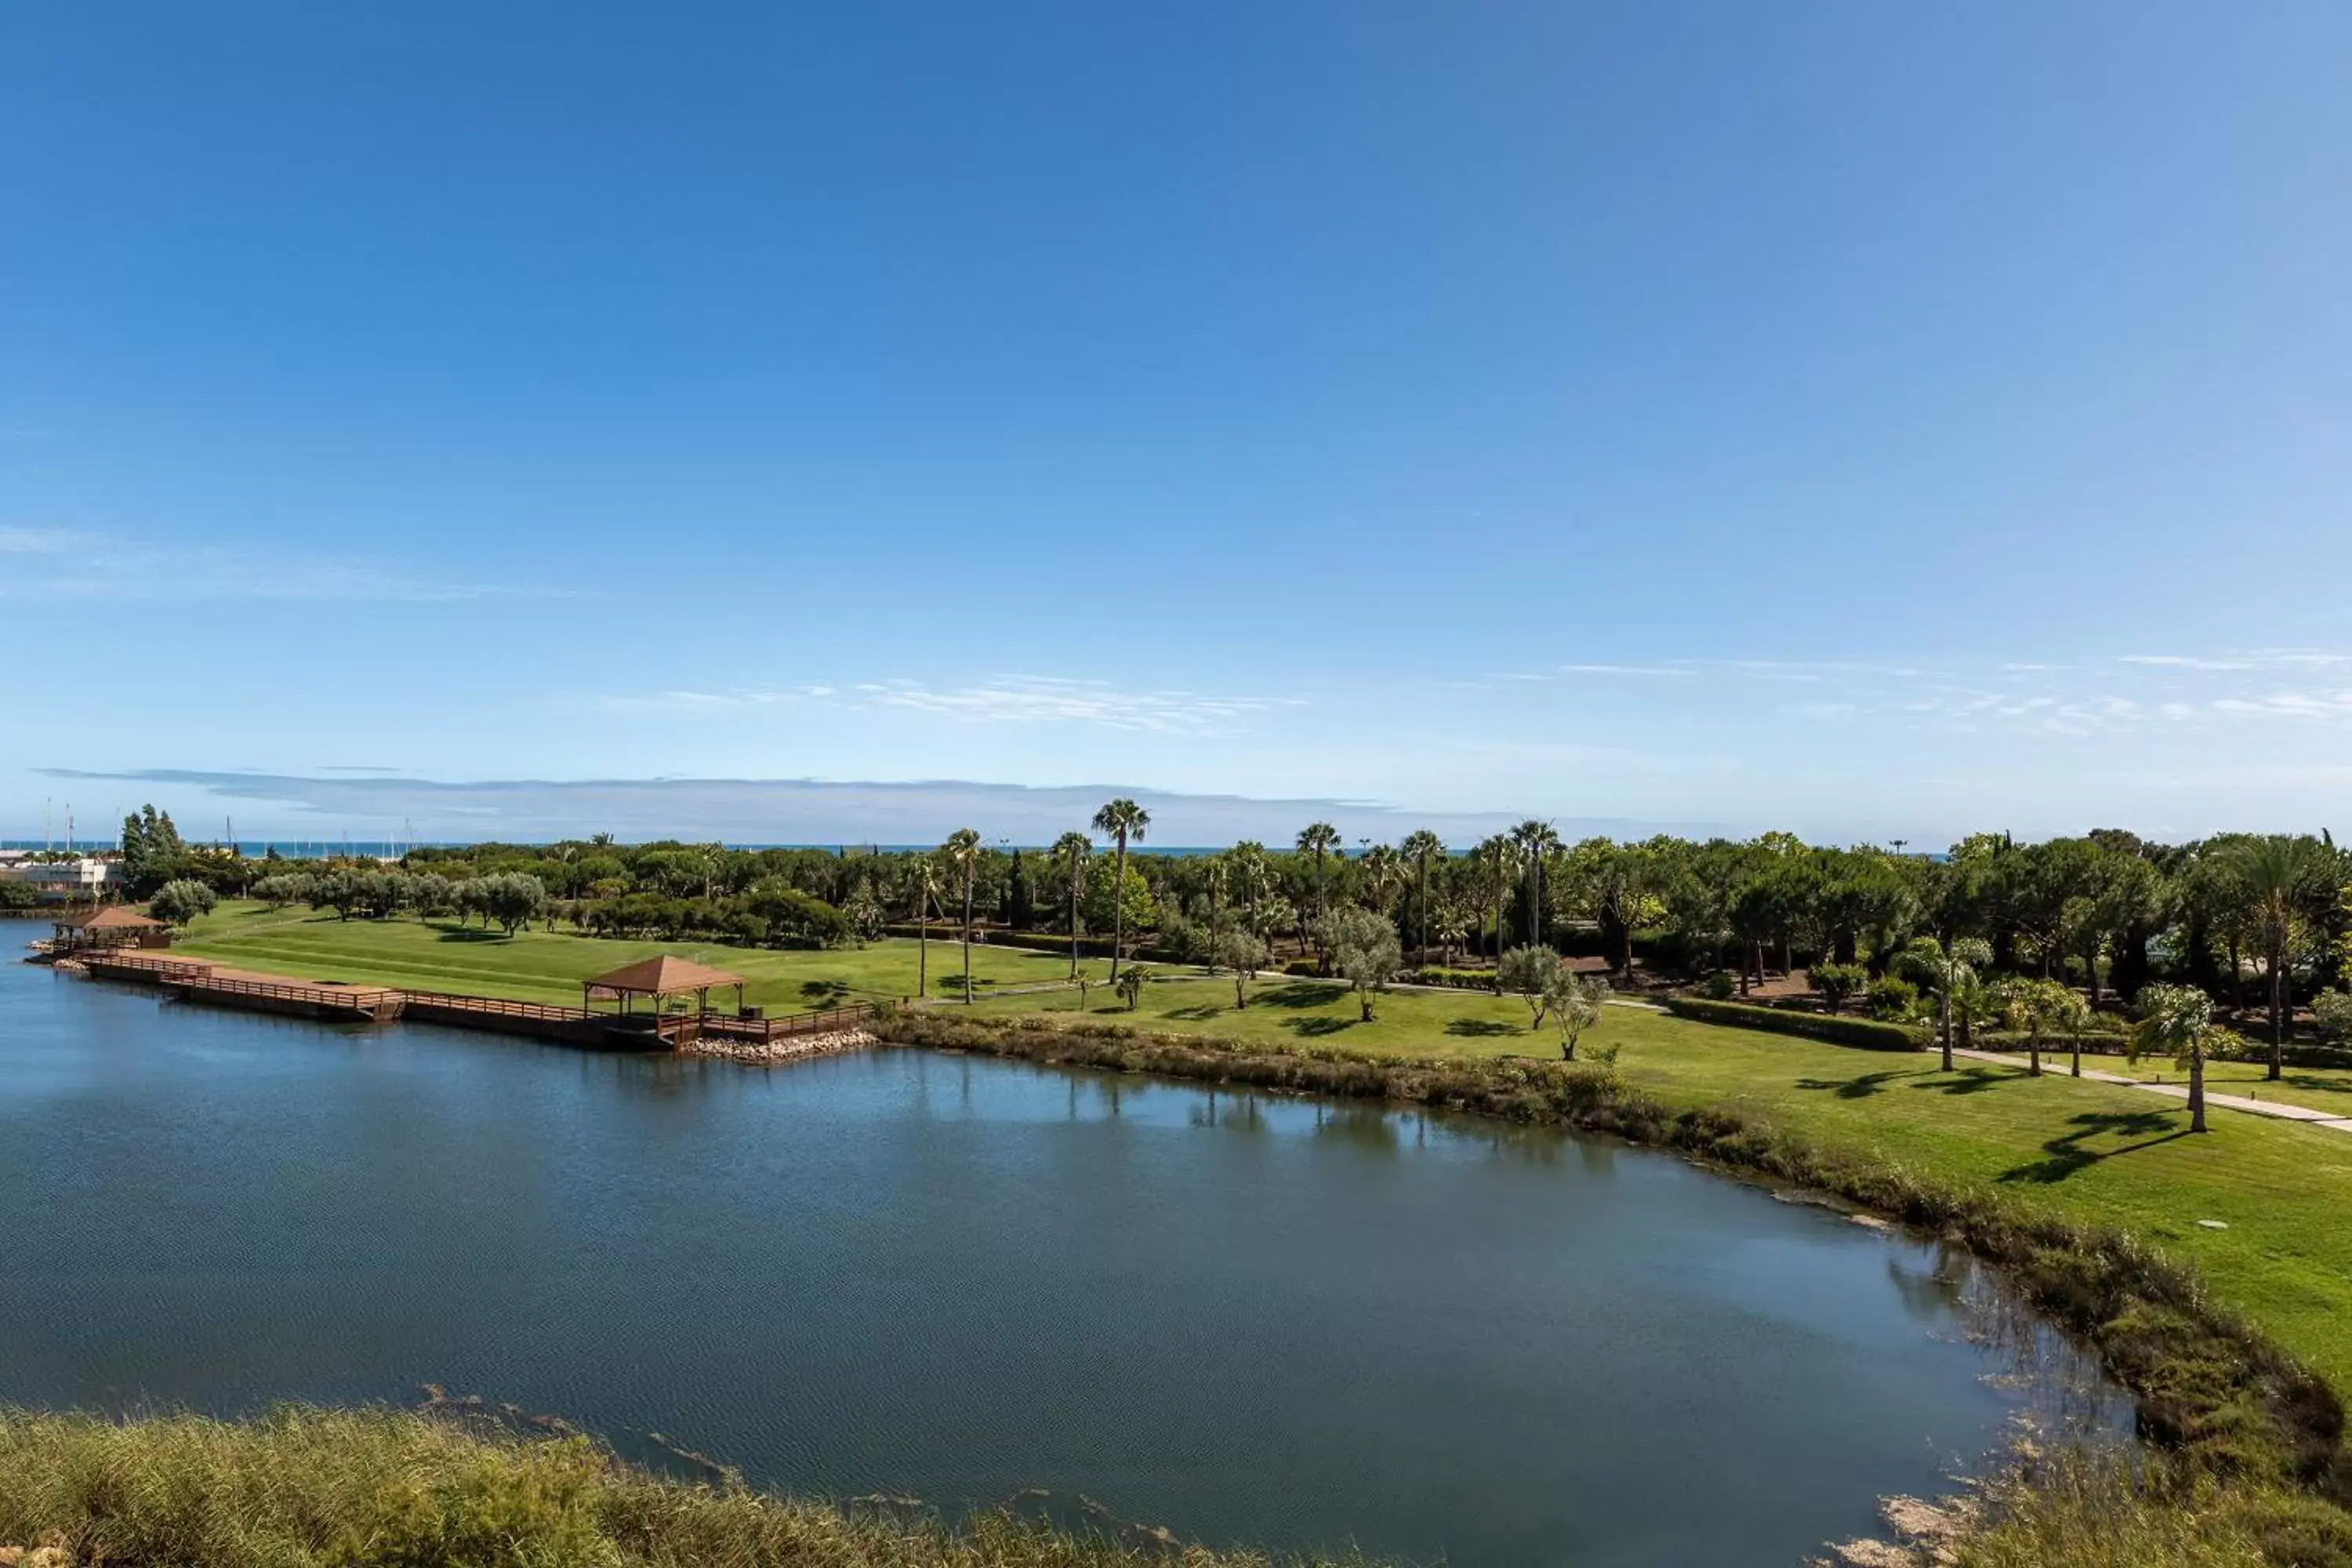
(1319, 1012)
(539, 966)
(2321, 1089)
(2097, 1152)
(2094, 1152)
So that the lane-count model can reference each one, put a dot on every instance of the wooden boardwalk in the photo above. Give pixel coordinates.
(201, 980)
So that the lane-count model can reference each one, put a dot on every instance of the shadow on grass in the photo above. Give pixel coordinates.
(824, 993)
(1200, 1013)
(471, 933)
(1316, 1028)
(1480, 1029)
(1971, 1080)
(2069, 1152)
(1301, 994)
(1860, 1087)
(2323, 1085)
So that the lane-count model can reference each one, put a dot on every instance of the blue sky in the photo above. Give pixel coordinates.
(1872, 420)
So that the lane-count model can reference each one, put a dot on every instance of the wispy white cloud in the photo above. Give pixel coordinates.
(1001, 699)
(2239, 661)
(75, 564)
(2128, 693)
(1639, 669)
(16, 540)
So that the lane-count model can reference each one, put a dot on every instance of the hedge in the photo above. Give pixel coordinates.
(1865, 1033)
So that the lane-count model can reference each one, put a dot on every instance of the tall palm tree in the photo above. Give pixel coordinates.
(1319, 839)
(1122, 820)
(923, 880)
(1498, 866)
(1421, 847)
(1249, 868)
(2275, 873)
(962, 852)
(1070, 855)
(1384, 872)
(1534, 840)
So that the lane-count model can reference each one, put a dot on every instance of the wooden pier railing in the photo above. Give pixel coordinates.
(197, 979)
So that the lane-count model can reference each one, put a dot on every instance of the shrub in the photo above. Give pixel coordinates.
(1453, 979)
(1893, 998)
(1867, 1034)
(1720, 986)
(1837, 981)
(2332, 1011)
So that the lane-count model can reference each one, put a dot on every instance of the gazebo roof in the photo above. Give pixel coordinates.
(662, 976)
(114, 916)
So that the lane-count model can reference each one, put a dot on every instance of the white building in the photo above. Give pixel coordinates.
(81, 879)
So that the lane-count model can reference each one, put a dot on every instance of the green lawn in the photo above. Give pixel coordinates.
(2097, 1152)
(2321, 1089)
(539, 966)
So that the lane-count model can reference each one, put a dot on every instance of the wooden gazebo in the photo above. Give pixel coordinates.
(659, 979)
(114, 926)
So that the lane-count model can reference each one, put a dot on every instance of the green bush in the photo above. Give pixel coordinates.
(1867, 1034)
(1453, 979)
(1892, 999)
(1720, 986)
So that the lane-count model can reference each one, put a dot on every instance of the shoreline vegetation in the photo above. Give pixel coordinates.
(309, 1488)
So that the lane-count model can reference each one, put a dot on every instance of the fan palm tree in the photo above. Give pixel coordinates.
(1069, 856)
(1534, 840)
(2275, 873)
(2177, 1021)
(1212, 882)
(1122, 820)
(1498, 866)
(923, 880)
(1421, 847)
(962, 852)
(1249, 868)
(1384, 873)
(1319, 839)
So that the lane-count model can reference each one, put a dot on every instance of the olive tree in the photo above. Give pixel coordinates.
(1524, 972)
(1574, 1003)
(1242, 951)
(181, 900)
(1362, 946)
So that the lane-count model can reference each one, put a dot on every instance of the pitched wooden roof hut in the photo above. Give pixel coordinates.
(660, 977)
(116, 925)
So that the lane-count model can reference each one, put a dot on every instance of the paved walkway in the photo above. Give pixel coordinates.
(2252, 1107)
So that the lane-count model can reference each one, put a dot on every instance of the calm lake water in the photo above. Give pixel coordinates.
(1246, 1320)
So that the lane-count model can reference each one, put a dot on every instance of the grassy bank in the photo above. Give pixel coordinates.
(547, 966)
(314, 1489)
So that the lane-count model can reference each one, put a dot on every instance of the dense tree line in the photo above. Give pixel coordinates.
(2262, 924)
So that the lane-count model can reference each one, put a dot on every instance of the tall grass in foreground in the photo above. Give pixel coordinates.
(384, 1489)
(2079, 1509)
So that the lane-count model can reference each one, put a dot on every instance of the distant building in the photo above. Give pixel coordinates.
(76, 880)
